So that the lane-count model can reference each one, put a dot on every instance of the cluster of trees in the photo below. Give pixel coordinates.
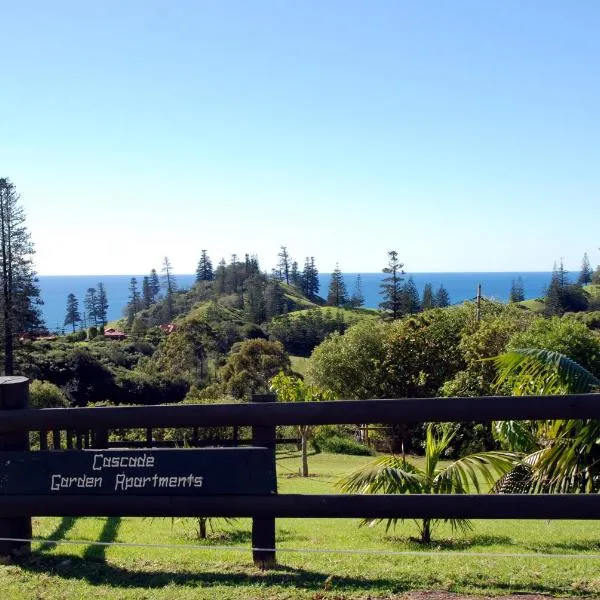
(517, 290)
(401, 298)
(95, 309)
(306, 280)
(562, 296)
(300, 334)
(337, 294)
(443, 352)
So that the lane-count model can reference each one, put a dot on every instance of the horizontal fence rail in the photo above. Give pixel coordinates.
(417, 506)
(403, 410)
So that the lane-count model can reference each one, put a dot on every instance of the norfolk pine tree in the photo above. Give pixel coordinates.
(391, 287)
(204, 272)
(310, 278)
(135, 302)
(517, 292)
(102, 305)
(428, 301)
(90, 304)
(585, 275)
(284, 264)
(358, 298)
(19, 292)
(72, 314)
(146, 293)
(337, 295)
(169, 285)
(410, 298)
(154, 285)
(442, 298)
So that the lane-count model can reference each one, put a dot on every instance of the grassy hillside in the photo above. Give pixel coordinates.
(298, 300)
(350, 315)
(534, 305)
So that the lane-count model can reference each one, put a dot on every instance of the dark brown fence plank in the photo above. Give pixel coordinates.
(501, 506)
(404, 410)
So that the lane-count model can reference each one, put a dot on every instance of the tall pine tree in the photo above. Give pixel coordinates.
(147, 296)
(442, 298)
(72, 314)
(204, 272)
(19, 290)
(358, 298)
(553, 302)
(410, 298)
(337, 294)
(102, 306)
(169, 285)
(391, 287)
(135, 301)
(283, 264)
(310, 278)
(428, 301)
(90, 304)
(585, 275)
(220, 276)
(154, 285)
(517, 291)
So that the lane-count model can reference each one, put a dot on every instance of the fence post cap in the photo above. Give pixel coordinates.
(12, 379)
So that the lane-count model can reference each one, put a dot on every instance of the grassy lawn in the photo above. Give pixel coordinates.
(219, 571)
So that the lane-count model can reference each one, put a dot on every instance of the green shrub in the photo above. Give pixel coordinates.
(43, 394)
(337, 444)
(77, 336)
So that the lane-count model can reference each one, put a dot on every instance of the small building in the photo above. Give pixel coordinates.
(114, 334)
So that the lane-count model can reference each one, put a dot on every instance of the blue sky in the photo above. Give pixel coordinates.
(464, 134)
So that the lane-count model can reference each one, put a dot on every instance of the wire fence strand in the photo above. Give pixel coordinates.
(282, 550)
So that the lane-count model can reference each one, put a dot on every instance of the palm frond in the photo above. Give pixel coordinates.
(541, 371)
(470, 473)
(516, 435)
(385, 475)
(570, 460)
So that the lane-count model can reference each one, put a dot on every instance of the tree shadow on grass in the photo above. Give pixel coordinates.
(59, 533)
(580, 546)
(108, 534)
(106, 574)
(465, 543)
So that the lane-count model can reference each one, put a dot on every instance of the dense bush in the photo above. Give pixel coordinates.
(337, 444)
(567, 336)
(589, 319)
(43, 394)
(250, 366)
(300, 334)
(134, 387)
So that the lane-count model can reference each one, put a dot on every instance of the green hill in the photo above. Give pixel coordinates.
(350, 316)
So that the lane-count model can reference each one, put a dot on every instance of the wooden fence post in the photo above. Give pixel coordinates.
(263, 530)
(14, 395)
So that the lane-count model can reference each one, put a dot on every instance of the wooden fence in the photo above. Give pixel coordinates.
(91, 427)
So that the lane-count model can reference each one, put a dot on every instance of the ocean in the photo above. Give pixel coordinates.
(460, 287)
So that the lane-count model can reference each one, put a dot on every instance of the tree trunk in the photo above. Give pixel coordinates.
(304, 447)
(426, 531)
(202, 528)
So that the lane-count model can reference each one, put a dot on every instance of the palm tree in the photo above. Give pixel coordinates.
(393, 474)
(564, 454)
